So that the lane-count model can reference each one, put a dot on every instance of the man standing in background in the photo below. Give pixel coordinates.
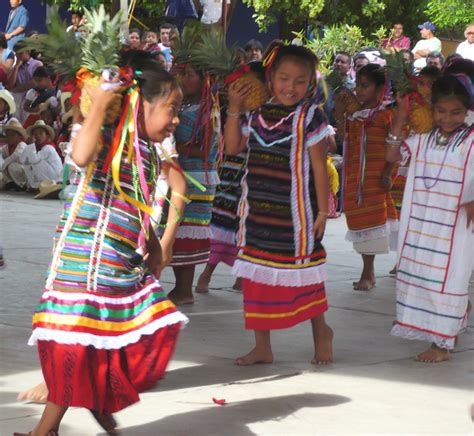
(17, 23)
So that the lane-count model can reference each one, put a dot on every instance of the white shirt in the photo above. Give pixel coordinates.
(466, 50)
(211, 11)
(432, 44)
(6, 159)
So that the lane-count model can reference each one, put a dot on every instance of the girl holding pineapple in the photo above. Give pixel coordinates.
(368, 205)
(284, 204)
(104, 328)
(197, 147)
(436, 240)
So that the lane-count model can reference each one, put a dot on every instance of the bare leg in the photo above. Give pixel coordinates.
(202, 286)
(434, 354)
(183, 290)
(38, 394)
(237, 284)
(322, 336)
(367, 279)
(261, 353)
(50, 420)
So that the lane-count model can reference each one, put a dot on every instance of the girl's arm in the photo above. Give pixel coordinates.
(85, 146)
(394, 139)
(234, 140)
(178, 186)
(318, 155)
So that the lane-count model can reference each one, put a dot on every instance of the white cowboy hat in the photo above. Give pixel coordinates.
(67, 116)
(40, 124)
(49, 189)
(8, 97)
(16, 126)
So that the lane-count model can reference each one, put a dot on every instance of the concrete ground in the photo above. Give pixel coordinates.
(374, 386)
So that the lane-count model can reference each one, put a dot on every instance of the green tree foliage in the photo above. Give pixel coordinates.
(451, 14)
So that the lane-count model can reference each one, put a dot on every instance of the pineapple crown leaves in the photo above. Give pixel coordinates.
(190, 35)
(101, 46)
(399, 73)
(59, 48)
(212, 55)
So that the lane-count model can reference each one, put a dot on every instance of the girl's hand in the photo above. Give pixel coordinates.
(401, 110)
(154, 259)
(469, 207)
(100, 96)
(237, 94)
(319, 226)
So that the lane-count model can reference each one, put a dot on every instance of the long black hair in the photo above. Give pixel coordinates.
(452, 86)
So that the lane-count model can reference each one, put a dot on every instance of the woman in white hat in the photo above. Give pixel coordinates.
(40, 159)
(12, 173)
(7, 106)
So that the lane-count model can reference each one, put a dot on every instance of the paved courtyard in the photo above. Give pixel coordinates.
(373, 388)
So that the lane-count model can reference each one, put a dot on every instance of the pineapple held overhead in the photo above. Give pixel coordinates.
(100, 51)
(418, 93)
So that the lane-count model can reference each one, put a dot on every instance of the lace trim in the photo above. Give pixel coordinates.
(105, 342)
(280, 277)
(412, 334)
(223, 235)
(371, 234)
(193, 232)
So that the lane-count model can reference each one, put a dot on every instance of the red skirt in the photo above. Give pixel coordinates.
(189, 251)
(105, 380)
(269, 307)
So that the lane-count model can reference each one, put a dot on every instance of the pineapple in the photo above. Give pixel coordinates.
(419, 94)
(100, 50)
(212, 54)
(421, 117)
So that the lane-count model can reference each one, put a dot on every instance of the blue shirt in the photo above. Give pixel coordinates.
(18, 18)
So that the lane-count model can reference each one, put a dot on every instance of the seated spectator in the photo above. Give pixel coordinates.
(397, 40)
(17, 23)
(77, 21)
(40, 159)
(21, 79)
(466, 48)
(253, 50)
(7, 55)
(360, 60)
(134, 39)
(342, 64)
(435, 59)
(166, 29)
(44, 94)
(12, 173)
(151, 41)
(429, 43)
(7, 106)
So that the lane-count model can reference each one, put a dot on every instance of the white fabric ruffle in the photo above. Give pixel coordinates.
(372, 233)
(222, 235)
(280, 277)
(105, 342)
(411, 334)
(193, 232)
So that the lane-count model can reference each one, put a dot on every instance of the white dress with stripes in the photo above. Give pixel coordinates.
(435, 258)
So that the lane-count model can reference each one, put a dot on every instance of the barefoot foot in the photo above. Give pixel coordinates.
(364, 284)
(180, 298)
(255, 356)
(393, 271)
(202, 286)
(38, 394)
(323, 347)
(434, 354)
